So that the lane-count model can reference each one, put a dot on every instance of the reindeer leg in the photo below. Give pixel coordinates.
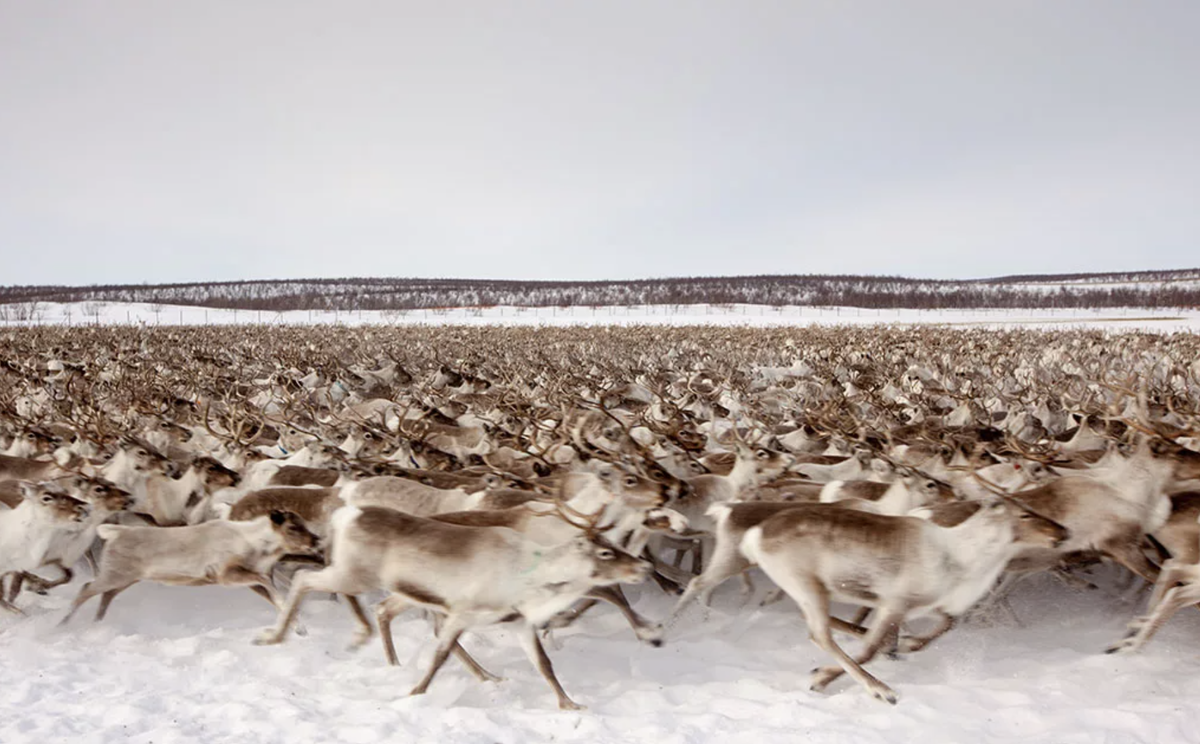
(393, 605)
(4, 603)
(912, 644)
(107, 598)
(698, 557)
(1172, 573)
(364, 632)
(571, 614)
(726, 562)
(882, 632)
(813, 599)
(100, 585)
(325, 580)
(448, 636)
(772, 597)
(385, 611)
(667, 585)
(1173, 600)
(645, 631)
(84, 595)
(467, 660)
(537, 655)
(473, 666)
(15, 587)
(747, 586)
(1134, 559)
(41, 586)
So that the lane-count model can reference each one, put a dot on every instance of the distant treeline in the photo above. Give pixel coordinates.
(1156, 289)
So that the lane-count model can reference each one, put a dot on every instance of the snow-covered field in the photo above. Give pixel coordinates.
(173, 664)
(753, 315)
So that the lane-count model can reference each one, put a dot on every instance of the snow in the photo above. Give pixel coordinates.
(175, 664)
(116, 313)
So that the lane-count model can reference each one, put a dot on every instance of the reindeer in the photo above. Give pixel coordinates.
(1178, 586)
(28, 531)
(67, 547)
(898, 565)
(218, 552)
(186, 499)
(472, 576)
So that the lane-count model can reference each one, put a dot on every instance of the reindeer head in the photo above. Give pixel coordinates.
(293, 533)
(634, 490)
(148, 459)
(215, 474)
(55, 502)
(173, 431)
(611, 565)
(100, 493)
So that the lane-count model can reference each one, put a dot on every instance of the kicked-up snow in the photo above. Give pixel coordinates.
(174, 664)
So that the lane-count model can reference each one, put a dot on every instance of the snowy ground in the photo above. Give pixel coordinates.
(754, 315)
(174, 664)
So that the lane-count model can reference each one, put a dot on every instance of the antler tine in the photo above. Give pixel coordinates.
(1019, 447)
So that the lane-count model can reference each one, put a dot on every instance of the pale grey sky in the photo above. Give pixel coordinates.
(189, 141)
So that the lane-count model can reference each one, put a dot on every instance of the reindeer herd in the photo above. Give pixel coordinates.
(508, 475)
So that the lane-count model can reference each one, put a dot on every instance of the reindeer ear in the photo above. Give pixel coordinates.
(278, 517)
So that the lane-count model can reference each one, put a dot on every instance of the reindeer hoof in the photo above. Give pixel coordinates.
(570, 705)
(651, 634)
(885, 695)
(359, 640)
(905, 646)
(1123, 646)
(822, 676)
(268, 638)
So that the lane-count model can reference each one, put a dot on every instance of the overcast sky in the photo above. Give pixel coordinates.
(190, 141)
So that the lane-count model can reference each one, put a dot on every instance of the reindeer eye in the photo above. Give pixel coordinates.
(630, 481)
(142, 453)
(605, 554)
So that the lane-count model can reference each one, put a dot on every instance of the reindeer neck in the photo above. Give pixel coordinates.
(980, 548)
(744, 473)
